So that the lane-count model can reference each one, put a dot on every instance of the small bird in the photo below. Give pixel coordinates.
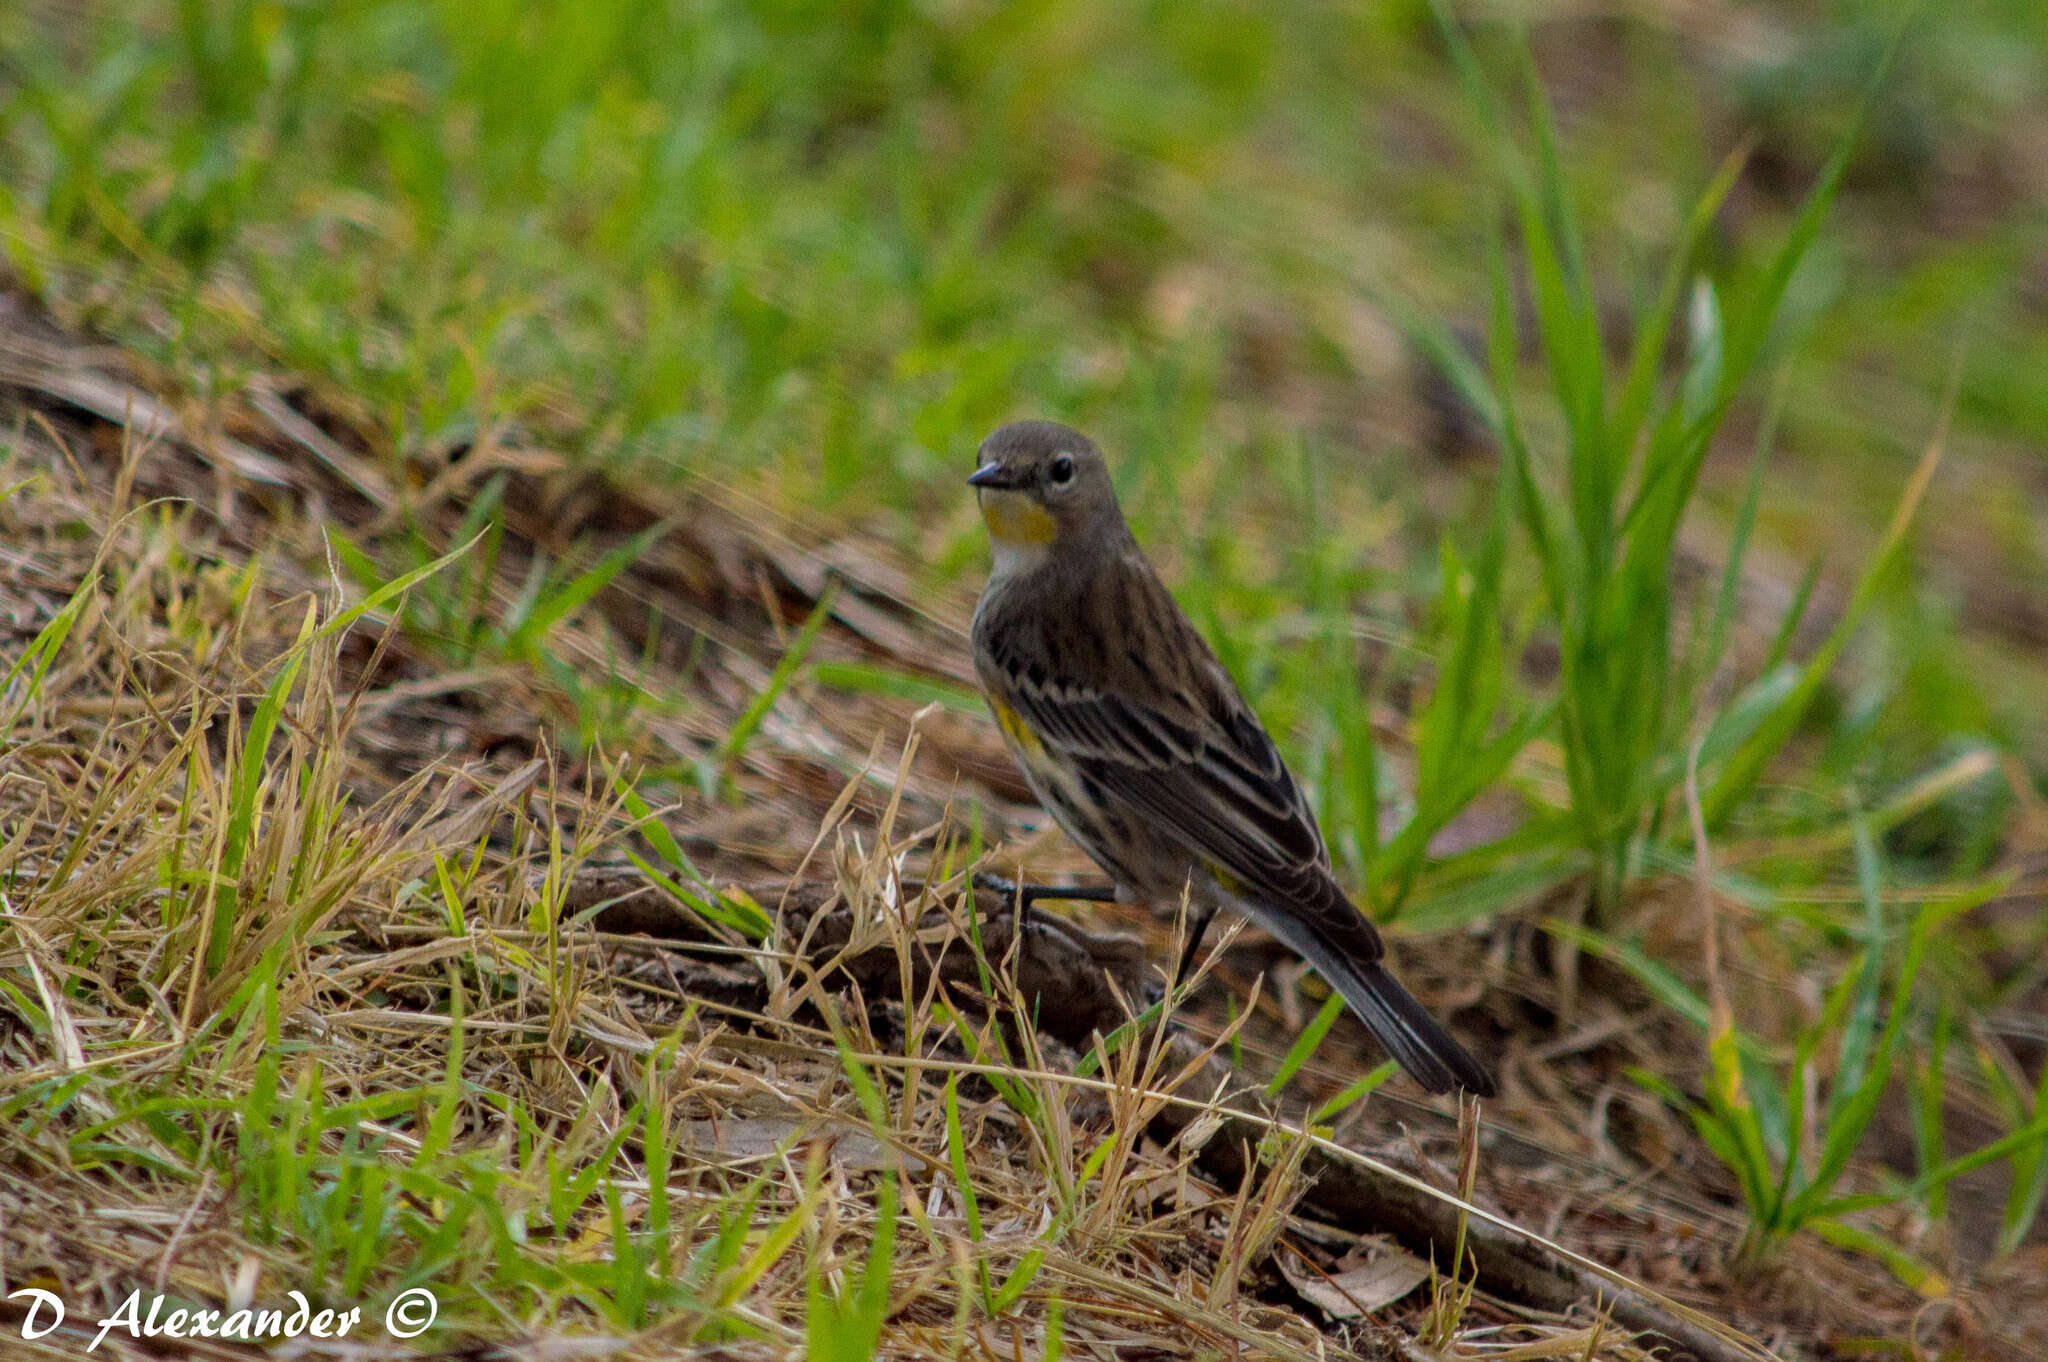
(1137, 741)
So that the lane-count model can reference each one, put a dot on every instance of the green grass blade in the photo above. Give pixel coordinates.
(1018, 1281)
(228, 901)
(1748, 336)
(743, 729)
(1903, 1265)
(1795, 612)
(1357, 1091)
(1930, 1093)
(1860, 1032)
(1738, 541)
(552, 609)
(1728, 1095)
(1647, 353)
(1305, 1044)
(956, 1154)
(2029, 1179)
(1849, 1118)
(42, 650)
(1746, 766)
(384, 594)
(862, 678)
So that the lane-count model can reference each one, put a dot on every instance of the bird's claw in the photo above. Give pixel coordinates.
(1027, 894)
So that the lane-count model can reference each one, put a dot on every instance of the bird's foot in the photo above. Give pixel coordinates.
(1027, 894)
(1197, 928)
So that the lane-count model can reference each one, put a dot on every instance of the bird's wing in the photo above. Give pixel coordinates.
(1171, 737)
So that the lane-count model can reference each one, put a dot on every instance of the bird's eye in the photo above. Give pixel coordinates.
(1062, 470)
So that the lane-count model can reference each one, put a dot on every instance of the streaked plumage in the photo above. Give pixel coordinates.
(1138, 743)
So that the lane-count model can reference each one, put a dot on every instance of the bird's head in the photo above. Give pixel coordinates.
(1043, 487)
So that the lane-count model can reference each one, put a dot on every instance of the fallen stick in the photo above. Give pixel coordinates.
(1077, 980)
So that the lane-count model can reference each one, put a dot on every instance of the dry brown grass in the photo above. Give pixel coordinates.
(557, 1127)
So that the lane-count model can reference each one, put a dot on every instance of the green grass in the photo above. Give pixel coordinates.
(1789, 1160)
(819, 250)
(831, 248)
(1602, 515)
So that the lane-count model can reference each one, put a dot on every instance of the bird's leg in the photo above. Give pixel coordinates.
(1029, 894)
(1198, 927)
(1025, 895)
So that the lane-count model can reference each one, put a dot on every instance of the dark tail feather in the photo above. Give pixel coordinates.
(1410, 1034)
(1402, 1024)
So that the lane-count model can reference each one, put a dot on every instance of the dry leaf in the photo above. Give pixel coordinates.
(1390, 1274)
(1200, 1131)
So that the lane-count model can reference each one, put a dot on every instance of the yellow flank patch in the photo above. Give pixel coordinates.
(1013, 726)
(1229, 883)
(1016, 518)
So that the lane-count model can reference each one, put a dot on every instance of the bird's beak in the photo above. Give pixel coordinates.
(993, 476)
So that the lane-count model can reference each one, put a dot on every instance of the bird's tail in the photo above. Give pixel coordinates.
(1402, 1024)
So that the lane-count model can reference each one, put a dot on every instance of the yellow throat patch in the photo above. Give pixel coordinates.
(1016, 519)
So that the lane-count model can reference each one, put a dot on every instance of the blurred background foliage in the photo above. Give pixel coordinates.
(819, 250)
(823, 248)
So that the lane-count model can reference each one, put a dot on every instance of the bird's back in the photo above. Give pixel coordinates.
(1138, 742)
(1135, 703)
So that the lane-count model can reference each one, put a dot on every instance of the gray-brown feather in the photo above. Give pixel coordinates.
(1142, 748)
(1148, 719)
